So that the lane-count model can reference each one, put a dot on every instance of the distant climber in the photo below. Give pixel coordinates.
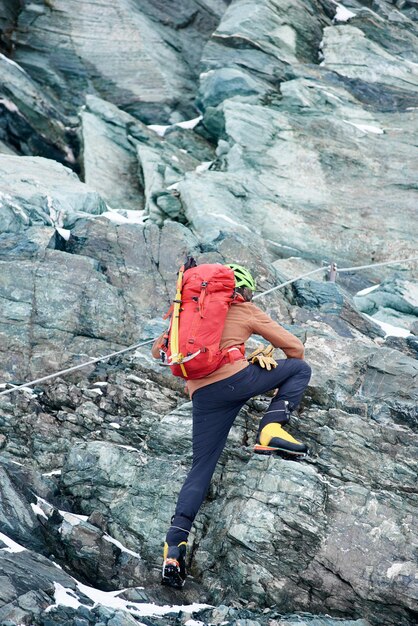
(211, 319)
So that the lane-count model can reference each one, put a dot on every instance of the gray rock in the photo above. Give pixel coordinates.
(37, 191)
(162, 166)
(27, 573)
(143, 508)
(395, 302)
(17, 519)
(93, 556)
(191, 142)
(63, 299)
(109, 158)
(298, 134)
(255, 45)
(347, 50)
(263, 141)
(68, 48)
(32, 123)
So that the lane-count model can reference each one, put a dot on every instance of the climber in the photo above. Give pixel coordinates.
(218, 397)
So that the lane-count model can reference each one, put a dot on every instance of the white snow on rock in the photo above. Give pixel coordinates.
(47, 510)
(12, 546)
(391, 331)
(73, 518)
(114, 425)
(366, 128)
(187, 124)
(64, 597)
(101, 383)
(12, 62)
(125, 216)
(343, 14)
(67, 597)
(38, 511)
(121, 546)
(56, 472)
(224, 217)
(364, 292)
(64, 232)
(139, 609)
(10, 106)
(159, 129)
(203, 167)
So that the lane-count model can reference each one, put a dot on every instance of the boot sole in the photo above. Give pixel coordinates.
(269, 450)
(172, 578)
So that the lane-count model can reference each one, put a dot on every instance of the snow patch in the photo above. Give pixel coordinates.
(64, 232)
(114, 425)
(364, 292)
(159, 129)
(366, 128)
(4, 58)
(64, 597)
(12, 546)
(101, 383)
(119, 445)
(343, 14)
(391, 331)
(73, 518)
(38, 511)
(121, 546)
(189, 124)
(186, 124)
(110, 599)
(229, 219)
(10, 106)
(125, 216)
(203, 167)
(56, 472)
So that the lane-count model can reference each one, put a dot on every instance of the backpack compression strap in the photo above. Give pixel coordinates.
(177, 358)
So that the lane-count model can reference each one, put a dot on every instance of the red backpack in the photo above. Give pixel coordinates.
(192, 344)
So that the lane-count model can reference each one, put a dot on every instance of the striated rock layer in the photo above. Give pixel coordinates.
(280, 135)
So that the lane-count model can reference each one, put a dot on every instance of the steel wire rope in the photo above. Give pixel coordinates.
(144, 343)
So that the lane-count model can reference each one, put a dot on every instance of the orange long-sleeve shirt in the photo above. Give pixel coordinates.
(243, 320)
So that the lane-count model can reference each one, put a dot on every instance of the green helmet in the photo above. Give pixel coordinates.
(243, 277)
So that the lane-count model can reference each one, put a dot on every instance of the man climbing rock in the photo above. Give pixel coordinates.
(218, 396)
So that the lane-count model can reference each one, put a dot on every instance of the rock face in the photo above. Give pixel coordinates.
(30, 122)
(138, 55)
(281, 136)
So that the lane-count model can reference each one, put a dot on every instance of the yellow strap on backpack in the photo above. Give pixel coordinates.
(177, 358)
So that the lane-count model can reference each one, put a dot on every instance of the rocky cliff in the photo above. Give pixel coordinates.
(278, 134)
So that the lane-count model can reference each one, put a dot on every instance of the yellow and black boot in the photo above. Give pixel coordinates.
(174, 565)
(273, 439)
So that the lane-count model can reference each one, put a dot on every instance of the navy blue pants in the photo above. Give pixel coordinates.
(215, 408)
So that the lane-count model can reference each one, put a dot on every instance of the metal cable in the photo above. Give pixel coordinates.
(139, 345)
(288, 282)
(75, 367)
(363, 267)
